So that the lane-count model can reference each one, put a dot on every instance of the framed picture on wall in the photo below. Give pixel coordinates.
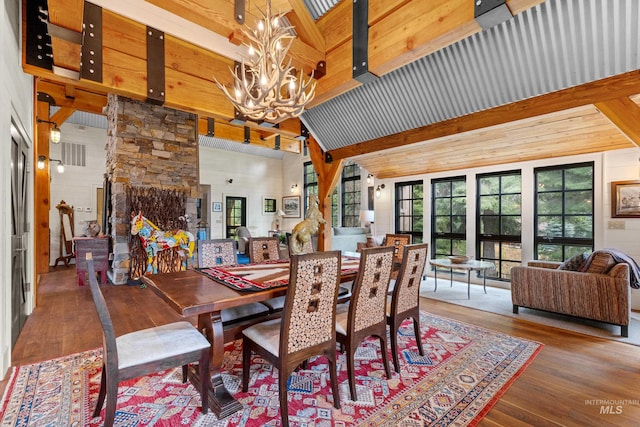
(217, 206)
(625, 199)
(268, 205)
(291, 206)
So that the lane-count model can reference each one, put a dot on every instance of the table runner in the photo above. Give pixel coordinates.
(264, 275)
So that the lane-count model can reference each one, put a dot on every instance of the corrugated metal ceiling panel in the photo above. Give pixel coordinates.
(555, 45)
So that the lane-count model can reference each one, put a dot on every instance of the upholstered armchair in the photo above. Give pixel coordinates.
(243, 235)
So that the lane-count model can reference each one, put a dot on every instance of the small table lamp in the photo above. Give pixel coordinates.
(279, 215)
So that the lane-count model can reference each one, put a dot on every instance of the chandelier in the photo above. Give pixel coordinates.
(267, 87)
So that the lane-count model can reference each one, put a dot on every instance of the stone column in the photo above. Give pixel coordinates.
(147, 146)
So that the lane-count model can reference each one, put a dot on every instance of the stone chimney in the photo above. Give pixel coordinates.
(147, 146)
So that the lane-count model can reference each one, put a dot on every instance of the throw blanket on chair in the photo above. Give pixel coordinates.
(618, 256)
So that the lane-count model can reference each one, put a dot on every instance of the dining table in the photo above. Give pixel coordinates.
(206, 292)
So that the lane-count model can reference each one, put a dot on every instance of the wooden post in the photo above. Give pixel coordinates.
(41, 196)
(328, 176)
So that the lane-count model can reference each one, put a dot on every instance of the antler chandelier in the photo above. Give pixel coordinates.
(265, 87)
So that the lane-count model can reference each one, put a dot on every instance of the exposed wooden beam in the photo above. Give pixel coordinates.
(258, 136)
(625, 115)
(218, 16)
(400, 32)
(622, 85)
(328, 176)
(62, 115)
(305, 26)
(82, 100)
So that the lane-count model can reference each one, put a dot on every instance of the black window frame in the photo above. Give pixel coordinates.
(564, 241)
(417, 236)
(350, 210)
(499, 238)
(450, 235)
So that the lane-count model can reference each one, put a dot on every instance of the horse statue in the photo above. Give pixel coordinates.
(302, 232)
(155, 240)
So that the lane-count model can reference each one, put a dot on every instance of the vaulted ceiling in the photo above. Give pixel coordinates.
(558, 78)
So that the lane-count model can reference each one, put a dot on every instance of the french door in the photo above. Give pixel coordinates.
(19, 238)
(236, 214)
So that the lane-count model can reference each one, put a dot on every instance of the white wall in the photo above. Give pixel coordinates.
(16, 92)
(610, 166)
(254, 177)
(77, 185)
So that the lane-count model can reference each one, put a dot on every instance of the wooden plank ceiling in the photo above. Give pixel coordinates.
(400, 32)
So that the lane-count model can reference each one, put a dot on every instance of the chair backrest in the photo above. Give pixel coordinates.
(398, 241)
(216, 252)
(369, 293)
(263, 249)
(407, 287)
(309, 317)
(110, 351)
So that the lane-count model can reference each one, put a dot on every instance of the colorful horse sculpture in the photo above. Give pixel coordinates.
(155, 240)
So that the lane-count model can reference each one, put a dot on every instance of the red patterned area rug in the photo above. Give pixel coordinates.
(463, 373)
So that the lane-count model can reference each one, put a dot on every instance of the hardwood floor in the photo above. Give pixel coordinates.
(576, 380)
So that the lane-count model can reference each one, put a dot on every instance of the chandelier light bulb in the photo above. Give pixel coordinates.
(260, 84)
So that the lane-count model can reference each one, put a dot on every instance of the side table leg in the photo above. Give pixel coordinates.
(468, 284)
(435, 278)
(484, 278)
(451, 273)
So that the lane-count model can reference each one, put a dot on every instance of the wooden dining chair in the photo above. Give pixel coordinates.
(404, 300)
(263, 249)
(307, 327)
(145, 351)
(398, 241)
(365, 315)
(217, 253)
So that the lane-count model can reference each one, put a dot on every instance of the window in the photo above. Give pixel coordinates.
(563, 211)
(449, 217)
(410, 209)
(236, 214)
(310, 184)
(351, 196)
(334, 208)
(499, 221)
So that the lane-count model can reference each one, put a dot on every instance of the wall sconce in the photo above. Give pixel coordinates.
(42, 163)
(54, 133)
(293, 187)
(60, 166)
(369, 179)
(230, 181)
(379, 190)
